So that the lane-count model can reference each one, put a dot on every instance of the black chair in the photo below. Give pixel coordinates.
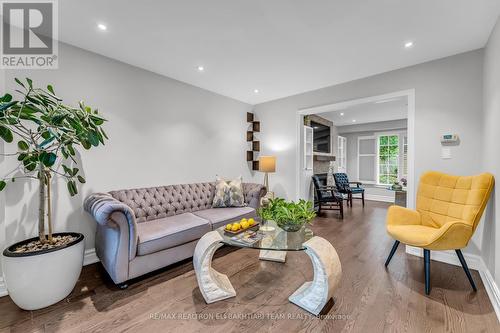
(327, 197)
(344, 186)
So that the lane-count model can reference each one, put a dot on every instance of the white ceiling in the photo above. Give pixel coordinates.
(280, 47)
(383, 110)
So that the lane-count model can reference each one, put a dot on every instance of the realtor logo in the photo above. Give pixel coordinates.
(29, 34)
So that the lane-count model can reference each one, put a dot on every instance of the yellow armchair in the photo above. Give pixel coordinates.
(448, 211)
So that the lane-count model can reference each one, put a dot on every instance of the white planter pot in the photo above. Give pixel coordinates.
(39, 279)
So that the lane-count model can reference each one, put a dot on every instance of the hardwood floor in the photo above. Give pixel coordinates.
(369, 299)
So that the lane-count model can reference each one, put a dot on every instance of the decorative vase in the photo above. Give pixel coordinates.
(291, 227)
(42, 278)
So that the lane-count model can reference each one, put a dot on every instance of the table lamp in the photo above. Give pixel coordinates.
(267, 164)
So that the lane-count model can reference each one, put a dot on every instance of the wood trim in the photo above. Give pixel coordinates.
(249, 155)
(250, 117)
(249, 136)
(256, 145)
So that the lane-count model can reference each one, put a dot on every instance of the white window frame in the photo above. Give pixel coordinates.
(343, 158)
(375, 160)
(401, 135)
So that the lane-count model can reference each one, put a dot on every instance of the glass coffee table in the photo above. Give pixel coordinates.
(314, 296)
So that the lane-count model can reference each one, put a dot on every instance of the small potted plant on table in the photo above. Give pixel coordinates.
(43, 270)
(288, 215)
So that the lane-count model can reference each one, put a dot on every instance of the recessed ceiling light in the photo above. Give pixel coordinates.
(201, 68)
(102, 27)
(408, 44)
(256, 91)
(354, 120)
(341, 113)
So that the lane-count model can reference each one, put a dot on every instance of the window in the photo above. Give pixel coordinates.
(388, 159)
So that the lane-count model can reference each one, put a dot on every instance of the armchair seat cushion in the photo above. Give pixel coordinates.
(221, 216)
(414, 235)
(356, 189)
(167, 232)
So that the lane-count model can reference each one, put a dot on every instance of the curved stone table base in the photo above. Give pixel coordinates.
(314, 295)
(213, 285)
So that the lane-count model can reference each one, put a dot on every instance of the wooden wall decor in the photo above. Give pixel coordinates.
(254, 127)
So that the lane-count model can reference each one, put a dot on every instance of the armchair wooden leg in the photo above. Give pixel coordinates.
(393, 250)
(363, 198)
(341, 207)
(427, 266)
(466, 269)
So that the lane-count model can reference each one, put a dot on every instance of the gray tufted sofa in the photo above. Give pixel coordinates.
(141, 230)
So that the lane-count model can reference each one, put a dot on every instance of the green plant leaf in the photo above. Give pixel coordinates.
(5, 106)
(6, 134)
(19, 82)
(67, 170)
(72, 189)
(48, 159)
(81, 179)
(51, 89)
(22, 145)
(30, 82)
(47, 141)
(6, 98)
(74, 171)
(2, 185)
(93, 138)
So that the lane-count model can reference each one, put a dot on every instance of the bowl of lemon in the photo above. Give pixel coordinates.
(241, 225)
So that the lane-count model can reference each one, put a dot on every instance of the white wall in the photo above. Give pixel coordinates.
(161, 131)
(448, 98)
(491, 156)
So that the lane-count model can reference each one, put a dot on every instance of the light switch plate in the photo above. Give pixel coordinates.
(445, 153)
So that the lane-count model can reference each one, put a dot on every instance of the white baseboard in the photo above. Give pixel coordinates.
(377, 197)
(474, 262)
(89, 257)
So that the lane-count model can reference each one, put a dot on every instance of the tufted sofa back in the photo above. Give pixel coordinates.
(158, 202)
(442, 198)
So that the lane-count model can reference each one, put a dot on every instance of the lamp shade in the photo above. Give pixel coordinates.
(267, 163)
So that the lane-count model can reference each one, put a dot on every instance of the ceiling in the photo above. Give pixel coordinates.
(280, 47)
(384, 110)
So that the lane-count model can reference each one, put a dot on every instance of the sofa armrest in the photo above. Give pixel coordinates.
(105, 209)
(253, 193)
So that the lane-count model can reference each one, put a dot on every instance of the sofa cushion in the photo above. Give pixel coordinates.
(221, 216)
(167, 232)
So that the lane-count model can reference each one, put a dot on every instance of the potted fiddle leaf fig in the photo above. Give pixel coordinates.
(43, 134)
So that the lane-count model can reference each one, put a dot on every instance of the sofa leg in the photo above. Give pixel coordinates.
(427, 268)
(122, 285)
(466, 269)
(393, 250)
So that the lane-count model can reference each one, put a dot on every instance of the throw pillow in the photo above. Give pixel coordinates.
(229, 193)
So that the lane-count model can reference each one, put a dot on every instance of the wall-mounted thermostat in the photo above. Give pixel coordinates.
(449, 138)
